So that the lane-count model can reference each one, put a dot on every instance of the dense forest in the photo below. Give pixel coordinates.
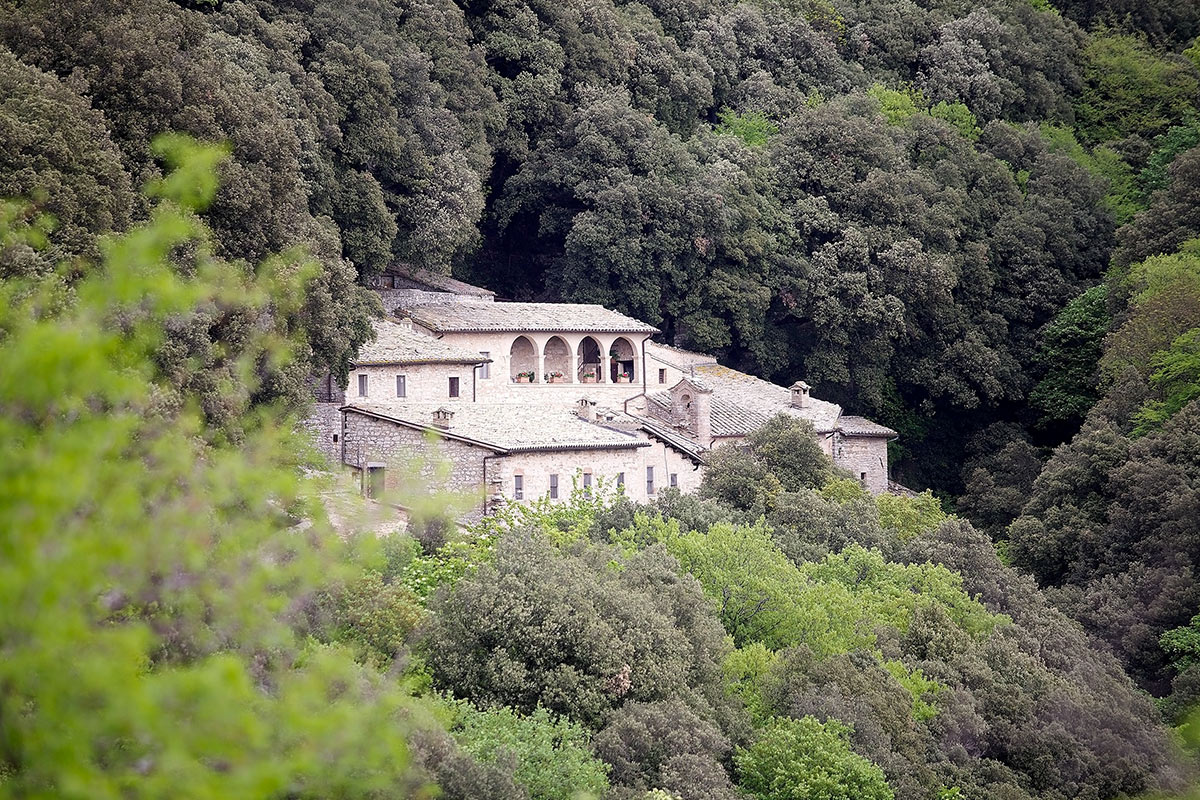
(977, 222)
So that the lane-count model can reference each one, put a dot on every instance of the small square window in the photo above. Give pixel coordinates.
(454, 387)
(485, 369)
(662, 376)
(553, 487)
(401, 386)
(362, 385)
(518, 487)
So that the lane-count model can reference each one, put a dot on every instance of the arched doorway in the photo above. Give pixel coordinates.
(589, 360)
(557, 360)
(522, 361)
(622, 361)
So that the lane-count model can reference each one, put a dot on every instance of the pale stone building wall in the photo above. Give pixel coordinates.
(866, 459)
(499, 384)
(423, 383)
(437, 464)
(536, 469)
(324, 427)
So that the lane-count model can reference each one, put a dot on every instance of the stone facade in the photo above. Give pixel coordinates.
(324, 427)
(404, 453)
(674, 406)
(423, 383)
(544, 354)
(865, 457)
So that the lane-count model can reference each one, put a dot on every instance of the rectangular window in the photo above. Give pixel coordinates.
(454, 387)
(674, 479)
(401, 386)
(485, 369)
(620, 479)
(362, 385)
(862, 476)
(553, 487)
(518, 487)
(587, 482)
(662, 376)
(649, 480)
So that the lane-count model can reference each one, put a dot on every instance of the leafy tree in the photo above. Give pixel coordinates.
(572, 632)
(804, 760)
(56, 150)
(552, 757)
(1131, 89)
(666, 745)
(150, 574)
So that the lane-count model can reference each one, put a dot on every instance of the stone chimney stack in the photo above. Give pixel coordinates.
(691, 407)
(586, 409)
(443, 417)
(800, 394)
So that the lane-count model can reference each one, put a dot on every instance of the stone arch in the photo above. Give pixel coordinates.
(523, 360)
(557, 358)
(590, 361)
(622, 360)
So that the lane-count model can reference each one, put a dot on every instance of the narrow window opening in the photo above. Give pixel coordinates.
(454, 387)
(485, 369)
(362, 385)
(553, 487)
(649, 480)
(587, 483)
(662, 376)
(518, 487)
(674, 479)
(620, 479)
(401, 386)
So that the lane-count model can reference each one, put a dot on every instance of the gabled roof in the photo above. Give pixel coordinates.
(507, 427)
(398, 343)
(520, 317)
(676, 356)
(744, 398)
(674, 439)
(424, 279)
(861, 426)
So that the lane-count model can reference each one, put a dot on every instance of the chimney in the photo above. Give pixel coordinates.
(691, 403)
(442, 417)
(586, 409)
(800, 394)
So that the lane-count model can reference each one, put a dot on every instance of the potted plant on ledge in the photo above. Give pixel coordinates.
(554, 377)
(590, 375)
(525, 377)
(624, 377)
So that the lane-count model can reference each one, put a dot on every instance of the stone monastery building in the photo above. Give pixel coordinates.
(527, 400)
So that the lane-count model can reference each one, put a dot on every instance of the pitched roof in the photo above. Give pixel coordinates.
(397, 343)
(861, 426)
(674, 439)
(423, 278)
(746, 402)
(504, 317)
(677, 356)
(508, 427)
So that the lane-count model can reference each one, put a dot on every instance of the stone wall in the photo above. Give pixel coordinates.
(324, 425)
(423, 383)
(418, 464)
(500, 387)
(865, 457)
